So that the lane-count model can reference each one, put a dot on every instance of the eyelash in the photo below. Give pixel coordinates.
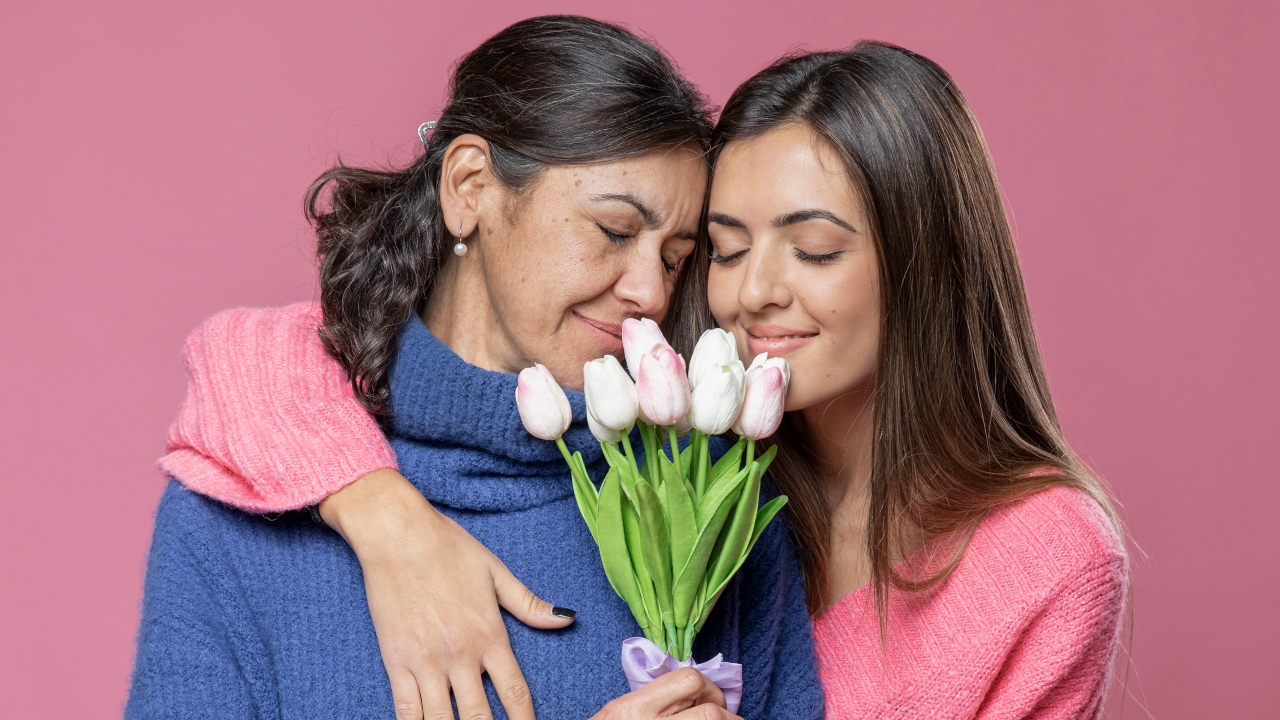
(725, 259)
(617, 239)
(818, 259)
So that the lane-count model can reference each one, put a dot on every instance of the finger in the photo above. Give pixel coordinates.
(507, 679)
(405, 694)
(706, 711)
(677, 691)
(435, 697)
(526, 607)
(468, 692)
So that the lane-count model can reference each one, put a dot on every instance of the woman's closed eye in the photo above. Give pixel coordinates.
(818, 259)
(616, 238)
(729, 259)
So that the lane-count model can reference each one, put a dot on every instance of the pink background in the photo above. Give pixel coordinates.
(154, 157)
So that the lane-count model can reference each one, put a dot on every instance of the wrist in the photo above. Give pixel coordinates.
(375, 509)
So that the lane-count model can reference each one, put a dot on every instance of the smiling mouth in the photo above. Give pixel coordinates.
(609, 334)
(776, 340)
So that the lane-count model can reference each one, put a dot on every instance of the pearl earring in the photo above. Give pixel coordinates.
(460, 249)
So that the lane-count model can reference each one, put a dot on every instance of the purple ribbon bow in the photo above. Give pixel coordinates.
(643, 662)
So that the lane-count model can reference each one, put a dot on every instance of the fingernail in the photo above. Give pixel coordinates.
(564, 612)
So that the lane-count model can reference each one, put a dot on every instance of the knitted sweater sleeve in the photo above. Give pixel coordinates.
(198, 652)
(1061, 665)
(270, 422)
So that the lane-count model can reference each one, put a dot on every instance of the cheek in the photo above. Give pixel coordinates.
(722, 295)
(847, 352)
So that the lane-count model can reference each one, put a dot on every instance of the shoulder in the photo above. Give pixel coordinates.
(1047, 543)
(247, 324)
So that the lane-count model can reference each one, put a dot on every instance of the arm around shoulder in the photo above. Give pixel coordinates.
(270, 422)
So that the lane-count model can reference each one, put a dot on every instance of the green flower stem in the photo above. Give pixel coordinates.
(751, 451)
(564, 450)
(631, 455)
(675, 452)
(701, 456)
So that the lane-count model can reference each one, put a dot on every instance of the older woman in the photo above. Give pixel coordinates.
(559, 194)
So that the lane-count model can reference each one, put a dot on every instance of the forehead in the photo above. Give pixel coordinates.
(667, 181)
(786, 169)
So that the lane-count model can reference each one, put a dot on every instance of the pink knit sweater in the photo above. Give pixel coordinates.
(1026, 627)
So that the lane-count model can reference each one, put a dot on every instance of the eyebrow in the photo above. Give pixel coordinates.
(649, 216)
(782, 220)
(646, 214)
(726, 220)
(807, 215)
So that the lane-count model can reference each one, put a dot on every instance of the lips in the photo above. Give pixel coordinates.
(777, 340)
(609, 334)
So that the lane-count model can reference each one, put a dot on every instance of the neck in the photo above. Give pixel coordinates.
(460, 314)
(840, 431)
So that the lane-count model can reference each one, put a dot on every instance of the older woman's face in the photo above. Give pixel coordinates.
(795, 271)
(564, 262)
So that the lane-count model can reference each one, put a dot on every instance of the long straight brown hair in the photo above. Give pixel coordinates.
(964, 422)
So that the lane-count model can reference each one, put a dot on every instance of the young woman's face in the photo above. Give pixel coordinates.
(584, 248)
(794, 270)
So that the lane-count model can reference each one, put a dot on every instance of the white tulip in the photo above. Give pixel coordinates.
(612, 404)
(717, 398)
(714, 349)
(764, 397)
(640, 338)
(602, 433)
(544, 408)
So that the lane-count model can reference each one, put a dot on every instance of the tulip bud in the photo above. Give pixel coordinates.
(715, 348)
(717, 398)
(612, 404)
(763, 360)
(662, 387)
(640, 338)
(543, 407)
(763, 398)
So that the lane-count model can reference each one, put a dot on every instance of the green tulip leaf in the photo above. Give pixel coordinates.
(692, 573)
(613, 545)
(635, 549)
(656, 546)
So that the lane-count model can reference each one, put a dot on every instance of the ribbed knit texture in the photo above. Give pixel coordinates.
(270, 422)
(253, 616)
(1026, 627)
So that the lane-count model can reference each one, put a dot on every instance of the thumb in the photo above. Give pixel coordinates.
(526, 607)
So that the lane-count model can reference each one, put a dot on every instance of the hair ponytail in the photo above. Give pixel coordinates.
(553, 90)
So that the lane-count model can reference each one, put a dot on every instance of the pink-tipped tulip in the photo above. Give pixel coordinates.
(640, 338)
(764, 398)
(663, 387)
(543, 407)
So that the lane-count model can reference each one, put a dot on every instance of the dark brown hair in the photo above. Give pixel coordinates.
(964, 422)
(553, 90)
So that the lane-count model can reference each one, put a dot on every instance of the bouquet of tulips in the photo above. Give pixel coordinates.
(672, 526)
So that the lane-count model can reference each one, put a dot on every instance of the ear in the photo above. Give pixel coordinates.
(464, 176)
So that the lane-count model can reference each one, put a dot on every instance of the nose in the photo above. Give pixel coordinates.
(642, 287)
(764, 282)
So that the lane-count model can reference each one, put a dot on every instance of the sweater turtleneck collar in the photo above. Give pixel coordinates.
(458, 436)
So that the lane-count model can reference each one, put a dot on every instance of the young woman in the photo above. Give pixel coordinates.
(959, 560)
(559, 195)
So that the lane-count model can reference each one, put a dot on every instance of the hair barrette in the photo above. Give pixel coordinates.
(423, 129)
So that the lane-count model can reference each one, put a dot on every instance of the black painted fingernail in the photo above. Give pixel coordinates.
(564, 612)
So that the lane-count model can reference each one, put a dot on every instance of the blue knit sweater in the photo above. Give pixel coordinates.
(252, 616)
